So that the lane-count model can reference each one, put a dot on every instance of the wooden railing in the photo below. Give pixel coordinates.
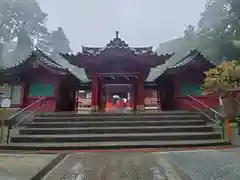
(12, 123)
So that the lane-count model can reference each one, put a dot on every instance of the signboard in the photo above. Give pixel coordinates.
(5, 103)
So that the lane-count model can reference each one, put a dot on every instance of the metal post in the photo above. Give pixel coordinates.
(228, 128)
(9, 129)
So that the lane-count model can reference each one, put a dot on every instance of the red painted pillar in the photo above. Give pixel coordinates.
(108, 99)
(101, 105)
(141, 95)
(159, 99)
(134, 97)
(94, 103)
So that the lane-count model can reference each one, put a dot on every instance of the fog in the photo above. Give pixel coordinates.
(140, 22)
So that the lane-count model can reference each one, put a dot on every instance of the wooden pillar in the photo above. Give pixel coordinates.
(140, 94)
(94, 103)
(100, 86)
(129, 100)
(159, 98)
(108, 99)
(108, 96)
(134, 97)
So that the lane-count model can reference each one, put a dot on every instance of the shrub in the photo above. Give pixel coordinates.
(222, 78)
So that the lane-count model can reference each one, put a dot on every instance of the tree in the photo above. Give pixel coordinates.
(214, 26)
(234, 17)
(18, 15)
(60, 41)
(225, 80)
(189, 31)
(213, 16)
(14, 13)
(218, 33)
(221, 21)
(221, 78)
(24, 46)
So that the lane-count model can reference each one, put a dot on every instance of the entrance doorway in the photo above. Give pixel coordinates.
(167, 94)
(66, 93)
(118, 97)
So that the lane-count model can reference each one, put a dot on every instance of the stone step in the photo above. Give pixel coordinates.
(115, 118)
(114, 129)
(147, 113)
(117, 137)
(113, 145)
(113, 123)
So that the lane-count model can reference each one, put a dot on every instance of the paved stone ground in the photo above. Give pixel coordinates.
(22, 166)
(188, 165)
(202, 165)
(182, 165)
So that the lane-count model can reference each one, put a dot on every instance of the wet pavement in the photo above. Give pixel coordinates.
(22, 166)
(174, 165)
(187, 165)
(211, 165)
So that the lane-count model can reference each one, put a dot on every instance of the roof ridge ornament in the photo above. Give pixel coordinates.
(117, 34)
(118, 43)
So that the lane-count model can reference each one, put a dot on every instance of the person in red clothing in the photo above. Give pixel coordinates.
(118, 104)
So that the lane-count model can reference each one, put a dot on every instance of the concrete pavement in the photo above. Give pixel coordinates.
(188, 165)
(22, 166)
(174, 165)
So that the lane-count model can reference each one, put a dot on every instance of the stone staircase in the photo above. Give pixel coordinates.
(69, 131)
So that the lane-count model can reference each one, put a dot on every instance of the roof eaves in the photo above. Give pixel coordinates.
(187, 59)
(19, 62)
(47, 60)
(156, 72)
(74, 70)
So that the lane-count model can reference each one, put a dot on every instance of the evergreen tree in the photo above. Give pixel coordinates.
(218, 36)
(25, 21)
(60, 41)
(13, 13)
(189, 31)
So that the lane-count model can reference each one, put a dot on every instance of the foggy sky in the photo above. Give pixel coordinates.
(140, 22)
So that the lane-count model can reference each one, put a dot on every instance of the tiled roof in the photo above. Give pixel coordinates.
(118, 43)
(191, 56)
(56, 62)
(74, 70)
(94, 51)
(41, 56)
(47, 60)
(158, 71)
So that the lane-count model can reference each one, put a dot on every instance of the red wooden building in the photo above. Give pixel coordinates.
(139, 74)
(35, 77)
(117, 68)
(182, 79)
